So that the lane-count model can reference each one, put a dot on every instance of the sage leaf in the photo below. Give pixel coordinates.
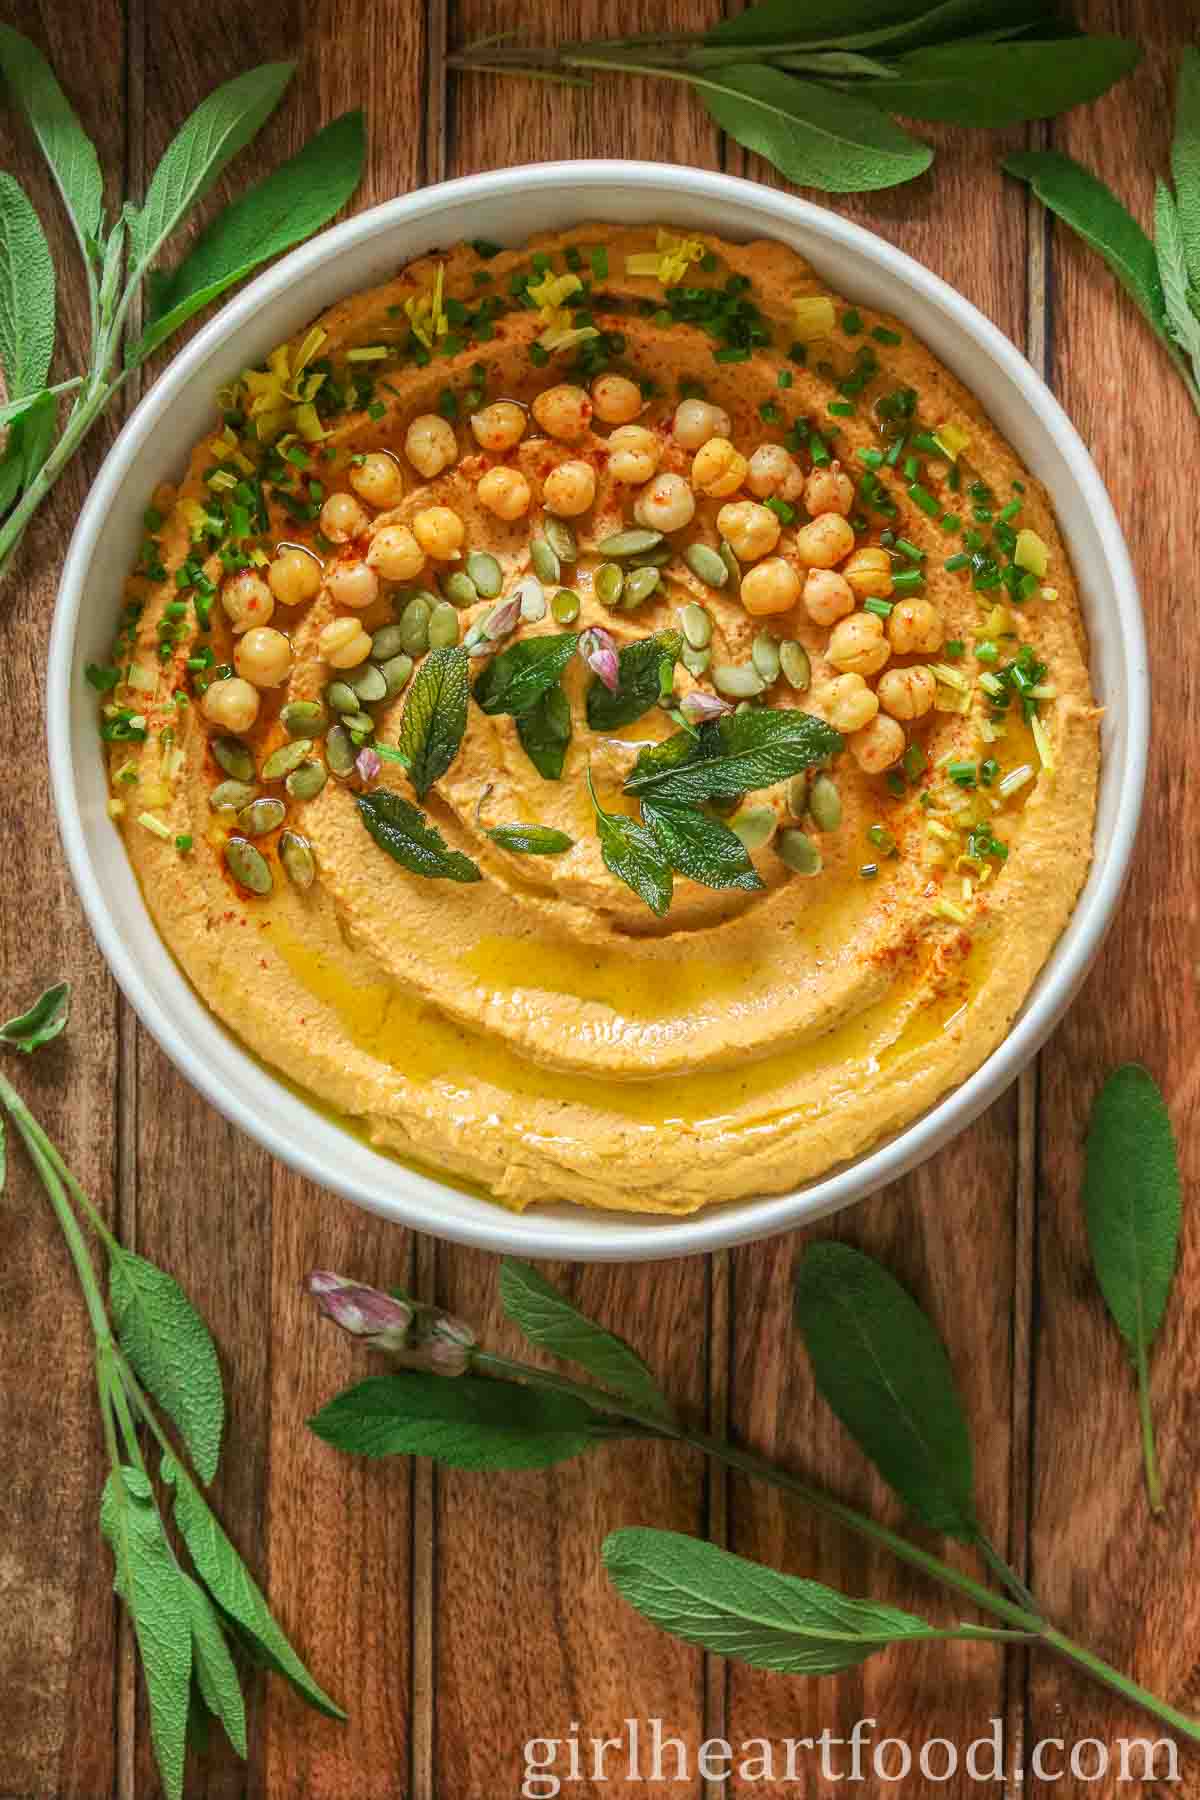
(27, 304)
(435, 716)
(733, 1607)
(883, 1369)
(43, 1022)
(531, 840)
(12, 466)
(816, 137)
(545, 733)
(870, 24)
(286, 207)
(213, 1667)
(1182, 321)
(171, 1351)
(1185, 159)
(631, 852)
(548, 1319)
(640, 678)
(1131, 1197)
(409, 838)
(699, 846)
(994, 85)
(735, 755)
(467, 1423)
(62, 140)
(38, 425)
(233, 1588)
(149, 1581)
(221, 125)
(520, 676)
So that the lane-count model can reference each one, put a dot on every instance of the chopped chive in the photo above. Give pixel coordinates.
(983, 514)
(895, 785)
(852, 321)
(962, 774)
(783, 511)
(925, 440)
(769, 413)
(883, 335)
(954, 478)
(183, 842)
(881, 837)
(819, 449)
(872, 458)
(1018, 487)
(988, 770)
(730, 354)
(485, 248)
(784, 379)
(1009, 512)
(950, 521)
(954, 647)
(894, 453)
(912, 468)
(921, 496)
(908, 580)
(987, 650)
(376, 409)
(881, 608)
(914, 761)
(841, 409)
(910, 550)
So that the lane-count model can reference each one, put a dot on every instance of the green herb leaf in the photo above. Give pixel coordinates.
(466, 1423)
(213, 1667)
(883, 1369)
(1132, 1199)
(531, 840)
(736, 755)
(409, 839)
(221, 125)
(631, 852)
(699, 846)
(12, 466)
(46, 1018)
(435, 716)
(62, 140)
(516, 680)
(983, 84)
(547, 1318)
(38, 426)
(545, 733)
(27, 306)
(1182, 322)
(778, 20)
(1185, 159)
(816, 137)
(284, 209)
(738, 1608)
(171, 1351)
(231, 1585)
(639, 682)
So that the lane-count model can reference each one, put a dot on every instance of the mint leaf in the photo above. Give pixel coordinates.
(631, 852)
(171, 1351)
(640, 672)
(735, 755)
(733, 1607)
(883, 1369)
(62, 140)
(699, 846)
(46, 1018)
(27, 305)
(985, 84)
(516, 680)
(465, 1423)
(213, 1667)
(548, 1319)
(409, 839)
(285, 208)
(545, 733)
(435, 717)
(1185, 159)
(531, 840)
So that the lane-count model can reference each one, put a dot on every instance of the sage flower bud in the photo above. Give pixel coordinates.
(599, 652)
(415, 1336)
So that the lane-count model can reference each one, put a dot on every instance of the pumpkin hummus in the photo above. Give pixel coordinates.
(386, 699)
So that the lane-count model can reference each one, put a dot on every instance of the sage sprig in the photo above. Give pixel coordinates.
(121, 256)
(813, 89)
(153, 1346)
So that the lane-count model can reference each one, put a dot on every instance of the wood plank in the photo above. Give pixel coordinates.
(57, 1648)
(1106, 1570)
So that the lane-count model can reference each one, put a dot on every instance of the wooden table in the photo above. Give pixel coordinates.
(455, 1616)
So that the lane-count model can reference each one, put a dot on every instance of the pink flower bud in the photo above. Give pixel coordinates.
(368, 764)
(501, 622)
(599, 652)
(362, 1311)
(699, 706)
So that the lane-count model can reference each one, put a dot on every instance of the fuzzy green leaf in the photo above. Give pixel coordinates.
(632, 853)
(516, 680)
(733, 755)
(890, 25)
(62, 140)
(639, 682)
(38, 426)
(531, 840)
(548, 1319)
(994, 85)
(466, 1422)
(43, 1022)
(699, 846)
(409, 839)
(27, 305)
(435, 716)
(545, 733)
(1170, 251)
(1132, 1199)
(1185, 159)
(213, 1667)
(171, 1351)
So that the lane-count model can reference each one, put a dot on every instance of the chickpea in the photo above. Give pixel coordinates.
(500, 426)
(563, 412)
(829, 490)
(430, 445)
(231, 705)
(344, 644)
(666, 505)
(377, 479)
(772, 586)
(569, 490)
(869, 573)
(774, 474)
(395, 554)
(439, 531)
(749, 529)
(616, 399)
(718, 469)
(505, 492)
(294, 577)
(849, 703)
(857, 645)
(264, 657)
(342, 518)
(915, 625)
(633, 454)
(824, 541)
(247, 600)
(827, 597)
(355, 584)
(907, 693)
(878, 745)
(696, 421)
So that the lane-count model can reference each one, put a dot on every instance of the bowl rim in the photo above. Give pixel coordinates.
(585, 1239)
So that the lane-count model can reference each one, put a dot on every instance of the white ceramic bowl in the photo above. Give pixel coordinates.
(509, 206)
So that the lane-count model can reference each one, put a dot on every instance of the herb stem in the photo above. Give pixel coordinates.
(1149, 1451)
(1005, 1572)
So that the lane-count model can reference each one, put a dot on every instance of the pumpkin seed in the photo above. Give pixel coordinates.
(360, 725)
(793, 660)
(340, 751)
(825, 803)
(737, 681)
(639, 585)
(706, 565)
(797, 794)
(695, 661)
(248, 866)
(443, 627)
(234, 758)
(387, 642)
(764, 654)
(370, 683)
(745, 706)
(459, 589)
(396, 671)
(281, 762)
(629, 543)
(303, 718)
(565, 606)
(561, 539)
(733, 567)
(231, 796)
(306, 782)
(755, 825)
(652, 559)
(546, 565)
(414, 625)
(532, 596)
(486, 574)
(299, 864)
(261, 816)
(342, 697)
(799, 852)
(696, 625)
(609, 582)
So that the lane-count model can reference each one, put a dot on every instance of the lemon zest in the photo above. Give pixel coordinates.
(669, 261)
(815, 317)
(1031, 553)
(953, 440)
(552, 290)
(427, 313)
